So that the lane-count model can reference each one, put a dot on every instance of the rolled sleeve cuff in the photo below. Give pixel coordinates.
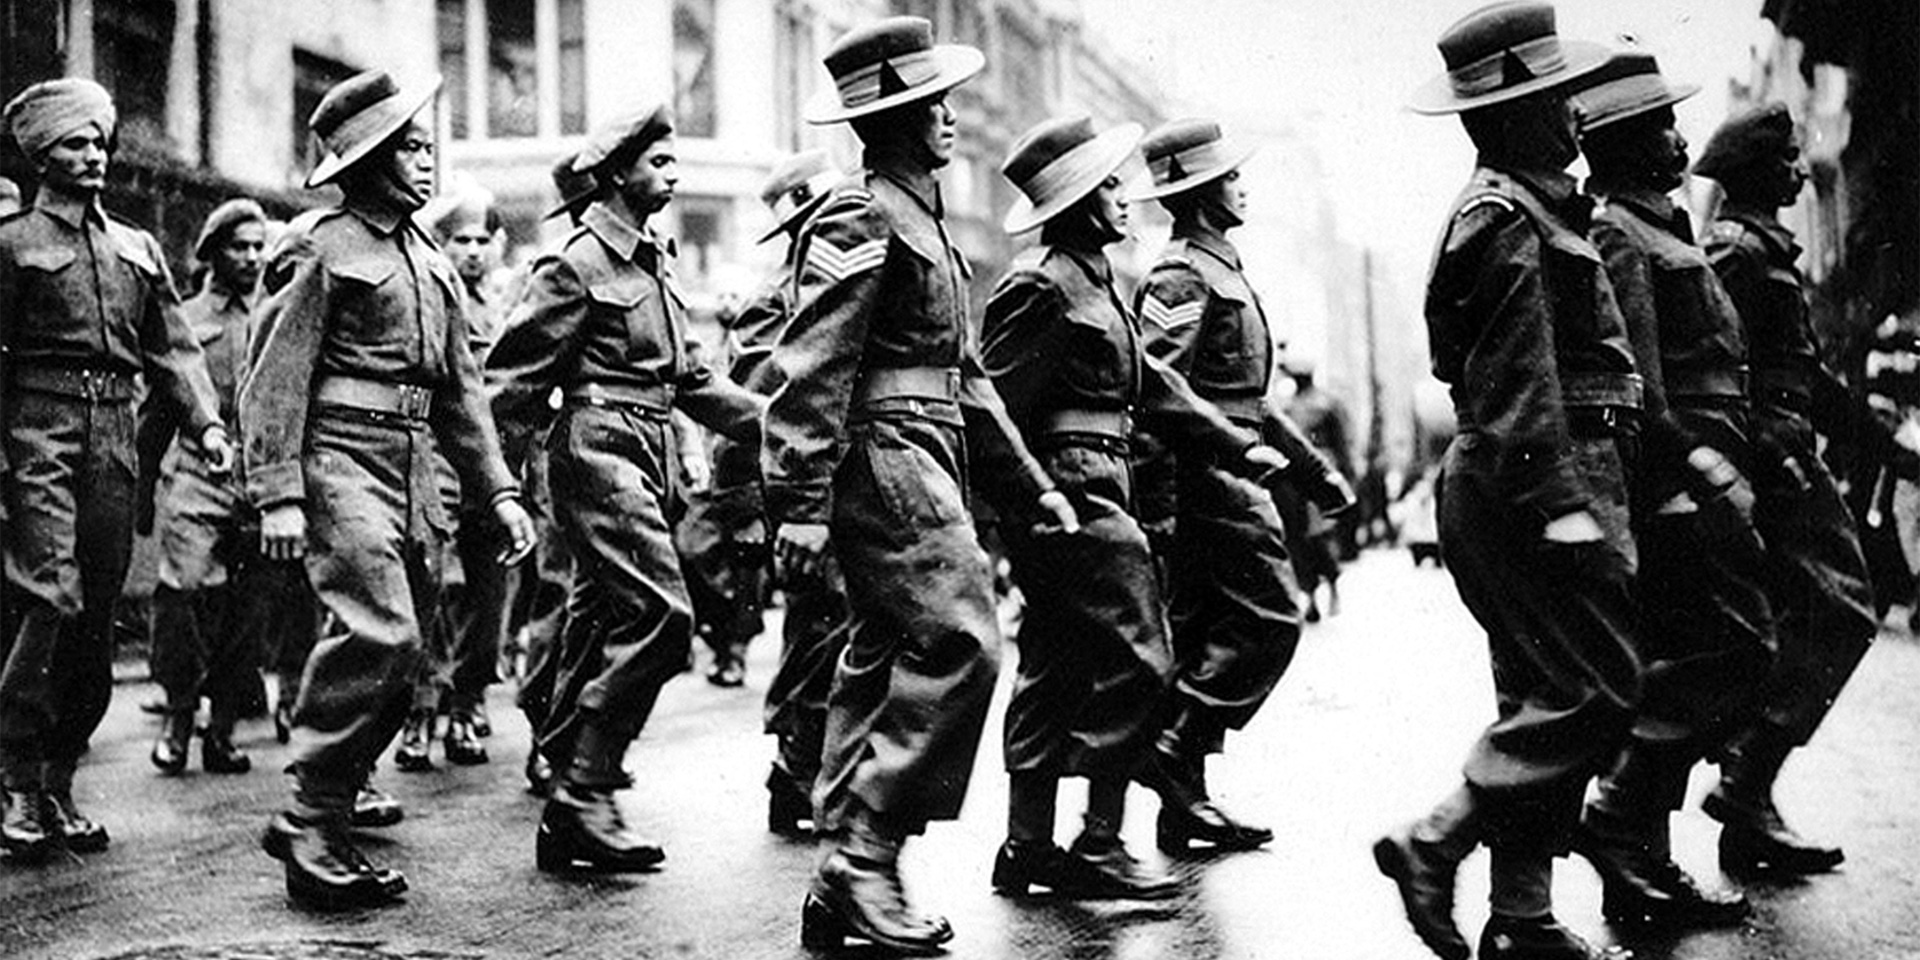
(800, 503)
(276, 483)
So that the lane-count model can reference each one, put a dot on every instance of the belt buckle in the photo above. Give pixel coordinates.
(415, 401)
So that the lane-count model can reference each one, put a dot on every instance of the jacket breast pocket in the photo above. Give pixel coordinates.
(363, 291)
(46, 259)
(635, 302)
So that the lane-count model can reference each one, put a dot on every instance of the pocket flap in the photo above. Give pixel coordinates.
(621, 292)
(50, 259)
(371, 271)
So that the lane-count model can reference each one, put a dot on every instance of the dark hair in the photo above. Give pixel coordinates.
(1185, 205)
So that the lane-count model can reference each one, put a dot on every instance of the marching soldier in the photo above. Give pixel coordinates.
(1816, 573)
(814, 630)
(212, 591)
(1534, 518)
(1235, 606)
(602, 319)
(1707, 629)
(88, 308)
(884, 415)
(363, 371)
(537, 608)
(1068, 357)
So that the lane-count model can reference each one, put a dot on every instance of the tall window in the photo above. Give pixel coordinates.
(133, 48)
(313, 76)
(492, 54)
(30, 37)
(513, 76)
(693, 83)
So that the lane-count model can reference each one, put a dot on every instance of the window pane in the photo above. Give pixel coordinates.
(573, 66)
(693, 94)
(513, 88)
(133, 47)
(452, 22)
(794, 76)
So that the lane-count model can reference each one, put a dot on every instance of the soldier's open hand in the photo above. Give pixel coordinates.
(283, 532)
(518, 525)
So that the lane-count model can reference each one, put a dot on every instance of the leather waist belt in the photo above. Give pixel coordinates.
(1707, 383)
(409, 401)
(1593, 421)
(82, 383)
(654, 402)
(1245, 411)
(1601, 389)
(1782, 387)
(917, 383)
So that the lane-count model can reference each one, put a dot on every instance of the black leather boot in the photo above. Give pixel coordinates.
(324, 869)
(1099, 866)
(23, 827)
(176, 733)
(373, 807)
(1539, 938)
(64, 821)
(1754, 838)
(857, 896)
(415, 740)
(788, 804)
(582, 829)
(1639, 882)
(1188, 815)
(217, 751)
(1422, 859)
(462, 744)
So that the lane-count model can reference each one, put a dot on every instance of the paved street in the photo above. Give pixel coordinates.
(1367, 730)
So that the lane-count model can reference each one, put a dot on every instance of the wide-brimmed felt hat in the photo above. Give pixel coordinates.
(223, 220)
(1183, 154)
(636, 128)
(1746, 139)
(796, 187)
(360, 113)
(1060, 161)
(575, 187)
(48, 111)
(888, 63)
(1627, 85)
(1503, 52)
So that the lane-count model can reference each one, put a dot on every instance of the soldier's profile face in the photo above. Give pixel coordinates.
(76, 163)
(1110, 205)
(650, 182)
(1232, 191)
(237, 261)
(408, 155)
(939, 128)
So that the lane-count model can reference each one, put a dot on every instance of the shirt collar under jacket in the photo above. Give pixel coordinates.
(910, 175)
(1654, 207)
(382, 218)
(1764, 221)
(1210, 240)
(1094, 262)
(1559, 190)
(69, 210)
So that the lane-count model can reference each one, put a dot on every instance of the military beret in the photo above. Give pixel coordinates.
(221, 222)
(1746, 139)
(635, 129)
(52, 109)
(796, 186)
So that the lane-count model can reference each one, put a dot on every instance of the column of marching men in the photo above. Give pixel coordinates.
(1634, 508)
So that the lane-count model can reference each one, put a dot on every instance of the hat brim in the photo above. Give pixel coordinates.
(1436, 96)
(799, 215)
(411, 101)
(954, 64)
(1097, 158)
(1674, 94)
(1237, 157)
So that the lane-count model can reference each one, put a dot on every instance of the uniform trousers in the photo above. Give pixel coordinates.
(1706, 634)
(910, 693)
(537, 595)
(377, 529)
(1560, 634)
(69, 537)
(1234, 603)
(723, 544)
(214, 595)
(813, 636)
(1816, 576)
(629, 619)
(1094, 659)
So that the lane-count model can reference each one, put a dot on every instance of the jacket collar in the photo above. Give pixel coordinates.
(1766, 223)
(1652, 206)
(1210, 240)
(916, 180)
(73, 213)
(382, 219)
(610, 224)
